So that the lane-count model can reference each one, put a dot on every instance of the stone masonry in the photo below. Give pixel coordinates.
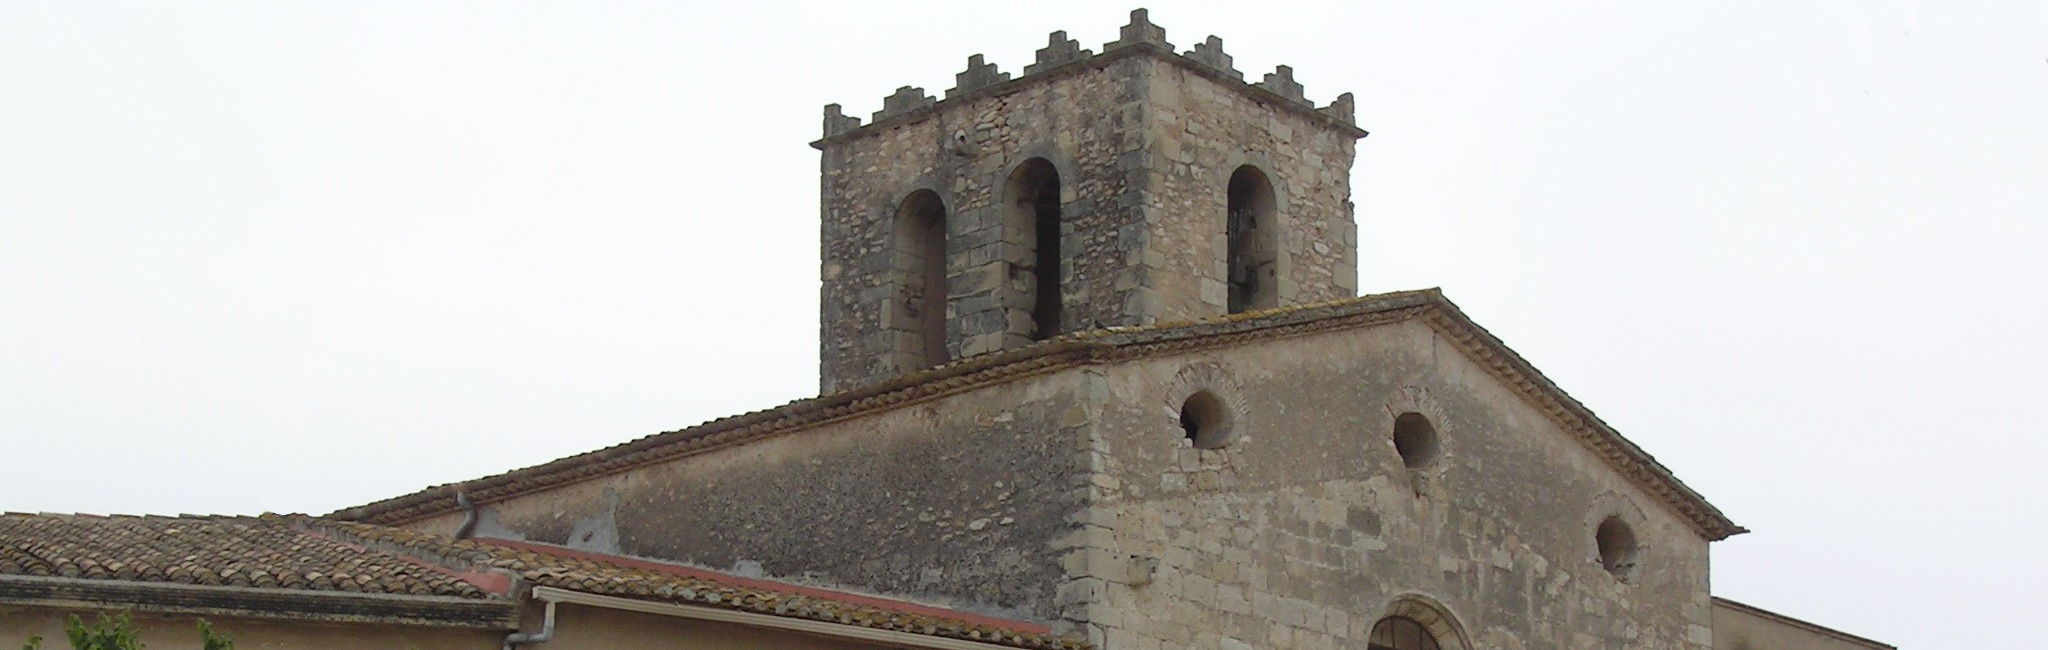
(1071, 495)
(1144, 141)
(1156, 477)
(1308, 528)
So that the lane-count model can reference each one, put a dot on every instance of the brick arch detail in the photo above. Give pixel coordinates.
(1213, 377)
(1433, 616)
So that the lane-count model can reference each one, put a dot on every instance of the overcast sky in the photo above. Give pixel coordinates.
(277, 256)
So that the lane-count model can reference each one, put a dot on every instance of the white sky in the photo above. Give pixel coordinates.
(298, 256)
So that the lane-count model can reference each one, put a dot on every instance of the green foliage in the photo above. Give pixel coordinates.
(211, 640)
(115, 632)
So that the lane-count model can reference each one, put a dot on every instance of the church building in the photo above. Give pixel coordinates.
(1093, 358)
(1091, 354)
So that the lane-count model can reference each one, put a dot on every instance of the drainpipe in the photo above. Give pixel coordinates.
(469, 515)
(547, 626)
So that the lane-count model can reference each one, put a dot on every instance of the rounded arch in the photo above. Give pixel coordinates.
(1429, 615)
(1208, 405)
(1033, 216)
(1061, 162)
(1282, 194)
(1615, 530)
(1430, 475)
(918, 259)
(1252, 227)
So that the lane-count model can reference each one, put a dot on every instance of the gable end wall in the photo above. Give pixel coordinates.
(1306, 531)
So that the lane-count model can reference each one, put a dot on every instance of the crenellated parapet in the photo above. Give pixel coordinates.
(1210, 53)
(1138, 37)
(1058, 51)
(978, 75)
(1140, 31)
(905, 100)
(1281, 82)
(837, 122)
(1343, 109)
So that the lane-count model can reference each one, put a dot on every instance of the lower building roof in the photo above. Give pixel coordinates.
(303, 567)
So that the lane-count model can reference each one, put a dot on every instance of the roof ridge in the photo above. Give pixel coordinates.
(119, 515)
(493, 581)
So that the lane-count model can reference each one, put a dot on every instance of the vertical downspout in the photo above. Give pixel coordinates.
(469, 515)
(546, 633)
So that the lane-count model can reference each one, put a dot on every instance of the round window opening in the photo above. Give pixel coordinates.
(1618, 548)
(1415, 439)
(1206, 421)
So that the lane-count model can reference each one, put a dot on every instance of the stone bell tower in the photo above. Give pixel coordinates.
(1129, 187)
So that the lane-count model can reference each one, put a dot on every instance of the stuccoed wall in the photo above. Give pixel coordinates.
(954, 501)
(178, 632)
(1741, 627)
(1309, 528)
(593, 628)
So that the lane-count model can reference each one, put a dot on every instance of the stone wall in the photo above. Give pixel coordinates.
(1073, 497)
(953, 501)
(1087, 123)
(1202, 131)
(1309, 527)
(1144, 141)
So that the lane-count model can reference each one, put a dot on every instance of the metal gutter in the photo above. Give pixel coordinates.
(259, 602)
(546, 633)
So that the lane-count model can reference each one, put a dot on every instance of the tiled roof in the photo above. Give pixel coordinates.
(210, 551)
(248, 562)
(1083, 348)
(642, 579)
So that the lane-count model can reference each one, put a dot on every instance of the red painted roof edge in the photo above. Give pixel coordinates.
(877, 602)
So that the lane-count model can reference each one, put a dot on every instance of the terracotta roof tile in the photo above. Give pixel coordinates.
(660, 581)
(210, 551)
(303, 553)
